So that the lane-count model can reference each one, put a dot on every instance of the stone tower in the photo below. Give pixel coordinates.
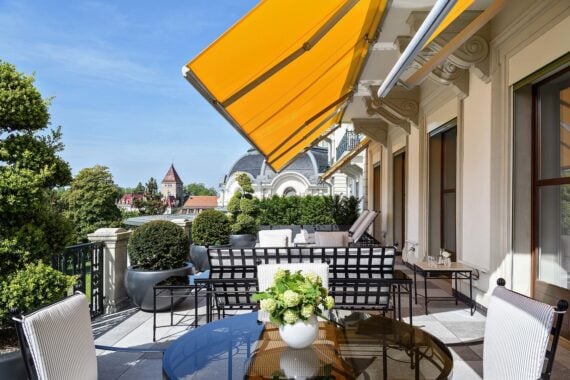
(171, 187)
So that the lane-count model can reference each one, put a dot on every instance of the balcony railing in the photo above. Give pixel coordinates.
(350, 140)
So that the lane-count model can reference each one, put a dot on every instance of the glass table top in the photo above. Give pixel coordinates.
(360, 346)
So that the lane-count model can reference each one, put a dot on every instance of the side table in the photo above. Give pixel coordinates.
(456, 270)
(175, 287)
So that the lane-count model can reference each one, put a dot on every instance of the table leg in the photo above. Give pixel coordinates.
(399, 304)
(154, 316)
(415, 285)
(456, 289)
(410, 304)
(425, 291)
(196, 289)
(171, 307)
(471, 303)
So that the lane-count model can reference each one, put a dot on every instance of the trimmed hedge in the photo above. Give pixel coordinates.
(158, 245)
(308, 210)
(211, 227)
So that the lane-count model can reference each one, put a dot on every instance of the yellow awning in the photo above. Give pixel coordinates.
(346, 159)
(281, 73)
(459, 7)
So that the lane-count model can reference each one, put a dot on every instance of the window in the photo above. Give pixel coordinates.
(552, 179)
(289, 192)
(442, 194)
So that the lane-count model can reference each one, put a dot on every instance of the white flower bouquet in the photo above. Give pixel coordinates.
(294, 297)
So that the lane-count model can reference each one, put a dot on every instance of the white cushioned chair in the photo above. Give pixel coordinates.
(57, 341)
(357, 232)
(275, 238)
(266, 272)
(517, 332)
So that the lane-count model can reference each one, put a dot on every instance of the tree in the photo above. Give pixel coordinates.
(31, 227)
(243, 207)
(151, 204)
(198, 189)
(139, 189)
(91, 201)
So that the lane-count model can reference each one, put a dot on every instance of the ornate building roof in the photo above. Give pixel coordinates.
(172, 176)
(310, 164)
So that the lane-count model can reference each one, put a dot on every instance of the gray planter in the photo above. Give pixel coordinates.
(12, 366)
(199, 257)
(243, 240)
(139, 285)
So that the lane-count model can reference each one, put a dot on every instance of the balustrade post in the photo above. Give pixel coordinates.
(114, 265)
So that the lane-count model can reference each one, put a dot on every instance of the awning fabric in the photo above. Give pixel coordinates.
(282, 72)
(346, 158)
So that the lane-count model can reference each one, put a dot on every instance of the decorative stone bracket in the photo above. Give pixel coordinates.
(454, 71)
(376, 129)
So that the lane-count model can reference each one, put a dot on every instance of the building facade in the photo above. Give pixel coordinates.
(171, 188)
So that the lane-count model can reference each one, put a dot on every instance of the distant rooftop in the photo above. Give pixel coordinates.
(172, 175)
(201, 201)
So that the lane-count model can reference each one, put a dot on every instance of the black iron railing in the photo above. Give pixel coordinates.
(348, 142)
(86, 262)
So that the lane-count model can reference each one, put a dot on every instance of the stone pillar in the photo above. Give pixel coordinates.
(114, 265)
(186, 224)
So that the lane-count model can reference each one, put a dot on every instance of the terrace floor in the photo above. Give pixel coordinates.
(448, 322)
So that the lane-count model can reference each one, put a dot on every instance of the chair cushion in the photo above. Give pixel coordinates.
(61, 340)
(275, 238)
(516, 336)
(331, 239)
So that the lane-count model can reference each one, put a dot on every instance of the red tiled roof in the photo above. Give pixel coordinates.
(127, 199)
(201, 201)
(172, 176)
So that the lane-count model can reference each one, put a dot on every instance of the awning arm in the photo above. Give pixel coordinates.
(460, 38)
(430, 24)
(346, 159)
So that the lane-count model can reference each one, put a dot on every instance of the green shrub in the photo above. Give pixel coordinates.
(158, 245)
(32, 287)
(244, 207)
(211, 227)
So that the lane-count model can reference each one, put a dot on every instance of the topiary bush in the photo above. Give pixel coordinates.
(244, 207)
(211, 227)
(158, 245)
(33, 286)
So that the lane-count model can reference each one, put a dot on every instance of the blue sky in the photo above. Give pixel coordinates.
(114, 70)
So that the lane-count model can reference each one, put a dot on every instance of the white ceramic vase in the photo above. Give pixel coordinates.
(301, 334)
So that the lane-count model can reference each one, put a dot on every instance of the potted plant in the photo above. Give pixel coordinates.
(157, 250)
(243, 208)
(27, 289)
(293, 303)
(210, 228)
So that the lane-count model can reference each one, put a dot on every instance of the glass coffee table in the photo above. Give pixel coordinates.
(373, 347)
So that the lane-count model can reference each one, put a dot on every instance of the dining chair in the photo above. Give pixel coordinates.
(517, 333)
(57, 342)
(266, 272)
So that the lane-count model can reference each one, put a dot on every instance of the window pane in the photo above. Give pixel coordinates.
(554, 117)
(449, 158)
(449, 221)
(554, 235)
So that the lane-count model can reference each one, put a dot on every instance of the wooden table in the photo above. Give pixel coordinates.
(456, 270)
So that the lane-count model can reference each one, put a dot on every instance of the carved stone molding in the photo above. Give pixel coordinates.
(400, 101)
(376, 107)
(376, 129)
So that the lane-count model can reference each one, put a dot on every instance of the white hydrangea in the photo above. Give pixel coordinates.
(329, 302)
(290, 317)
(291, 298)
(307, 311)
(268, 305)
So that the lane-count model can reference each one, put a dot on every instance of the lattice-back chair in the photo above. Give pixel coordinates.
(232, 279)
(266, 272)
(359, 277)
(57, 343)
(517, 332)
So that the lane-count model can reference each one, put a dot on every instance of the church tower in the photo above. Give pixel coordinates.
(171, 188)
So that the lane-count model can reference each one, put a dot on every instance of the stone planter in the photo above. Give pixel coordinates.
(243, 240)
(12, 366)
(139, 285)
